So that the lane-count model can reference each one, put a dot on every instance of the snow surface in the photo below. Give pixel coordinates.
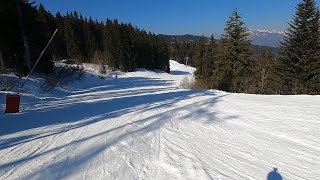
(141, 126)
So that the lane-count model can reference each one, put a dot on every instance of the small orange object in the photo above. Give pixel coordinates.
(12, 104)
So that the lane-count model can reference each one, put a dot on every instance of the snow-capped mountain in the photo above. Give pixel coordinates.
(266, 37)
(259, 37)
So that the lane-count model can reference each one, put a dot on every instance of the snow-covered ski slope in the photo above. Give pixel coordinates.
(141, 126)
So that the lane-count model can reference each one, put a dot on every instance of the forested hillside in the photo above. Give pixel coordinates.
(230, 62)
(118, 45)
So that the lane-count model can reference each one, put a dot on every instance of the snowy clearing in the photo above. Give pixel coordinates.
(141, 126)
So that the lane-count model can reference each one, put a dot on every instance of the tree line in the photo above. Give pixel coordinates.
(229, 64)
(182, 52)
(121, 46)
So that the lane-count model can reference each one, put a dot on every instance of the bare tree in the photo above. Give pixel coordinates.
(1, 62)
(25, 41)
(263, 67)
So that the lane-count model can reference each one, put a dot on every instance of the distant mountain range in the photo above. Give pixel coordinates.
(181, 38)
(259, 37)
(270, 38)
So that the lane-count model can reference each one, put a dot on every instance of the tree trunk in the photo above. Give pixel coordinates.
(1, 62)
(25, 41)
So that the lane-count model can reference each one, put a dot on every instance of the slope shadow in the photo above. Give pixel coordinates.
(176, 72)
(100, 109)
(44, 112)
(73, 108)
(96, 109)
(120, 83)
(145, 126)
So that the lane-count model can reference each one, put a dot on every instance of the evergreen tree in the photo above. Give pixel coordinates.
(298, 65)
(107, 41)
(59, 42)
(174, 50)
(121, 46)
(126, 56)
(90, 40)
(199, 59)
(40, 30)
(9, 38)
(98, 34)
(71, 37)
(208, 66)
(223, 74)
(35, 28)
(234, 64)
(179, 51)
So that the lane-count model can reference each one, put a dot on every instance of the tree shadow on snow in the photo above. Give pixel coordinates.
(94, 108)
(82, 104)
(176, 72)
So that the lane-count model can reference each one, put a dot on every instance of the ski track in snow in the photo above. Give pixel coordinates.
(141, 126)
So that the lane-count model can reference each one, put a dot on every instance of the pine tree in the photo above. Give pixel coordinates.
(42, 26)
(208, 66)
(126, 56)
(98, 33)
(9, 38)
(298, 64)
(59, 42)
(90, 40)
(121, 46)
(35, 36)
(223, 73)
(72, 37)
(174, 50)
(199, 59)
(234, 65)
(314, 66)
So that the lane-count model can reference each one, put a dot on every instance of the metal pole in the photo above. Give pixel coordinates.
(38, 60)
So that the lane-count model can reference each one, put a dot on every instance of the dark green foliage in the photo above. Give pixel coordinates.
(234, 63)
(118, 45)
(228, 64)
(210, 58)
(182, 52)
(298, 64)
(129, 48)
(9, 39)
(59, 44)
(204, 59)
(200, 58)
(36, 24)
(259, 50)
(296, 70)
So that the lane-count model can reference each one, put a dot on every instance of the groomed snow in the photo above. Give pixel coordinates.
(141, 126)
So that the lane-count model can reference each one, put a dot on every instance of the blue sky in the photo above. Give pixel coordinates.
(182, 16)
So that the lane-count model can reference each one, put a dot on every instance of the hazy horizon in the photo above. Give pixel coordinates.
(181, 17)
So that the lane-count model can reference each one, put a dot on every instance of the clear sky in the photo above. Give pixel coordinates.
(182, 16)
